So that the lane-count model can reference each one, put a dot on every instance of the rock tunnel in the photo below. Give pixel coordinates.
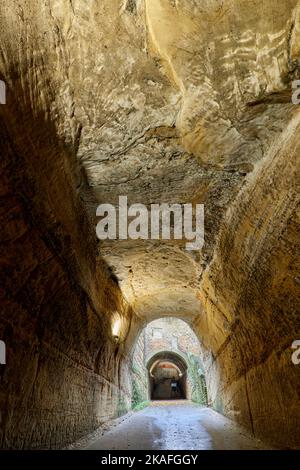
(162, 101)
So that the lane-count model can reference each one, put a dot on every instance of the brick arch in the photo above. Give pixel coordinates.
(178, 358)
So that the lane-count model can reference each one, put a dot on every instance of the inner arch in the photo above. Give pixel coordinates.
(167, 376)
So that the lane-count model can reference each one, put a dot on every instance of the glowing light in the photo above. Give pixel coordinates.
(116, 326)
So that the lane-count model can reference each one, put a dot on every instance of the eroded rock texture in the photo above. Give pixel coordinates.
(162, 101)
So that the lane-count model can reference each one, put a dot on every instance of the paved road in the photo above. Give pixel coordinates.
(175, 425)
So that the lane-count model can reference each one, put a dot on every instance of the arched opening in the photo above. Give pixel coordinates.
(167, 363)
(167, 373)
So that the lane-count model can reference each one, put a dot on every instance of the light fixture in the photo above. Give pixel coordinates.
(116, 327)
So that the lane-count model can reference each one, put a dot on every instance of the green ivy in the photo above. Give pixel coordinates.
(141, 406)
(139, 394)
(197, 380)
(122, 407)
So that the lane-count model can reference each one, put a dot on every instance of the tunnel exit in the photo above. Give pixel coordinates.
(167, 381)
(167, 365)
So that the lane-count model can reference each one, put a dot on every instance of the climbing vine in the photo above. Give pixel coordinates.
(196, 379)
(122, 406)
(139, 387)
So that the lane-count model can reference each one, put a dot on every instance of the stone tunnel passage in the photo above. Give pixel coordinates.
(163, 103)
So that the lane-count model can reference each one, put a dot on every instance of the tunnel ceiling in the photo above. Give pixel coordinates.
(177, 101)
(161, 101)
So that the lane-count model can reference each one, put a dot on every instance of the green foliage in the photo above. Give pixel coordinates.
(122, 407)
(141, 406)
(139, 393)
(135, 369)
(197, 380)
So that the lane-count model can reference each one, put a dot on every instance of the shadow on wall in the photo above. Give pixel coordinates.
(49, 266)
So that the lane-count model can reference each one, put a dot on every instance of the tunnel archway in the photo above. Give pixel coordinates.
(167, 372)
(167, 363)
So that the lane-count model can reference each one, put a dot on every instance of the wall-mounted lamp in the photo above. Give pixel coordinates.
(116, 327)
(2, 92)
(2, 352)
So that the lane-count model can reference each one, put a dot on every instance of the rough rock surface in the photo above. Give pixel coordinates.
(162, 101)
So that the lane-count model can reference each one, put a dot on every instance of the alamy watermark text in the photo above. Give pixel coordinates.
(162, 221)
